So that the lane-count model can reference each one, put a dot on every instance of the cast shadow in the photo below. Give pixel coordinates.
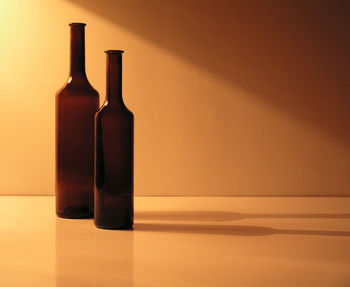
(203, 215)
(238, 230)
(146, 224)
(292, 54)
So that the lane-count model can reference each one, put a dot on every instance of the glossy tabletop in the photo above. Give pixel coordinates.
(179, 241)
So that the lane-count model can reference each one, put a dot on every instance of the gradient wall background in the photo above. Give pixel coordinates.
(230, 97)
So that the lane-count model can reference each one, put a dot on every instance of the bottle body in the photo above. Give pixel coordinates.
(76, 105)
(114, 155)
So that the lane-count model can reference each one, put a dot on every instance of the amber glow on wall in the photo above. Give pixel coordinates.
(229, 97)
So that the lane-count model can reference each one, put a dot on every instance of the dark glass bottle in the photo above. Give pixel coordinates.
(76, 104)
(114, 153)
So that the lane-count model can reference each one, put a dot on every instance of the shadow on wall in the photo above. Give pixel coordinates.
(292, 54)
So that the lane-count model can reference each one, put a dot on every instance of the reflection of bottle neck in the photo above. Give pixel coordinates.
(114, 78)
(77, 51)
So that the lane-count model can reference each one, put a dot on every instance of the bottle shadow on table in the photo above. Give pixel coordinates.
(144, 223)
(204, 215)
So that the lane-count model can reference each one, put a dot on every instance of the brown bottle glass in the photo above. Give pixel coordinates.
(76, 104)
(114, 153)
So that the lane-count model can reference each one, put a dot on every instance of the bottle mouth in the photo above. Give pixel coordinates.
(114, 51)
(77, 24)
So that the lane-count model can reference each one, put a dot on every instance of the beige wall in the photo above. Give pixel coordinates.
(230, 97)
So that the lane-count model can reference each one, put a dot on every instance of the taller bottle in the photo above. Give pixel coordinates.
(76, 104)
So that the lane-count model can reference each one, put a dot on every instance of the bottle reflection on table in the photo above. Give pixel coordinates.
(87, 256)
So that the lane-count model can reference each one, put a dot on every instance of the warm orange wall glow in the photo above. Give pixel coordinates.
(229, 97)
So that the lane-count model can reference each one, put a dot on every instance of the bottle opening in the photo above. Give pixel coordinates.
(114, 51)
(77, 24)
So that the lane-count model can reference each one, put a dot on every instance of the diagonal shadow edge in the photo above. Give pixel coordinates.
(257, 46)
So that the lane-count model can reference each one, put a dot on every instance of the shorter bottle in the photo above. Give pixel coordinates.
(114, 153)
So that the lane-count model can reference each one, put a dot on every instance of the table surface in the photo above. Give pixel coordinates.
(180, 241)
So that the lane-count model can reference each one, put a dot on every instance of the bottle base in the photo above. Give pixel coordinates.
(115, 227)
(76, 212)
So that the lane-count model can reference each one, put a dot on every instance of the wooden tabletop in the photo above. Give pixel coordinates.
(180, 241)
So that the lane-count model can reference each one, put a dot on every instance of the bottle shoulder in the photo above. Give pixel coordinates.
(114, 111)
(80, 87)
(77, 90)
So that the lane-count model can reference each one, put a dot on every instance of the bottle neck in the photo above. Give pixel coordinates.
(114, 79)
(77, 51)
